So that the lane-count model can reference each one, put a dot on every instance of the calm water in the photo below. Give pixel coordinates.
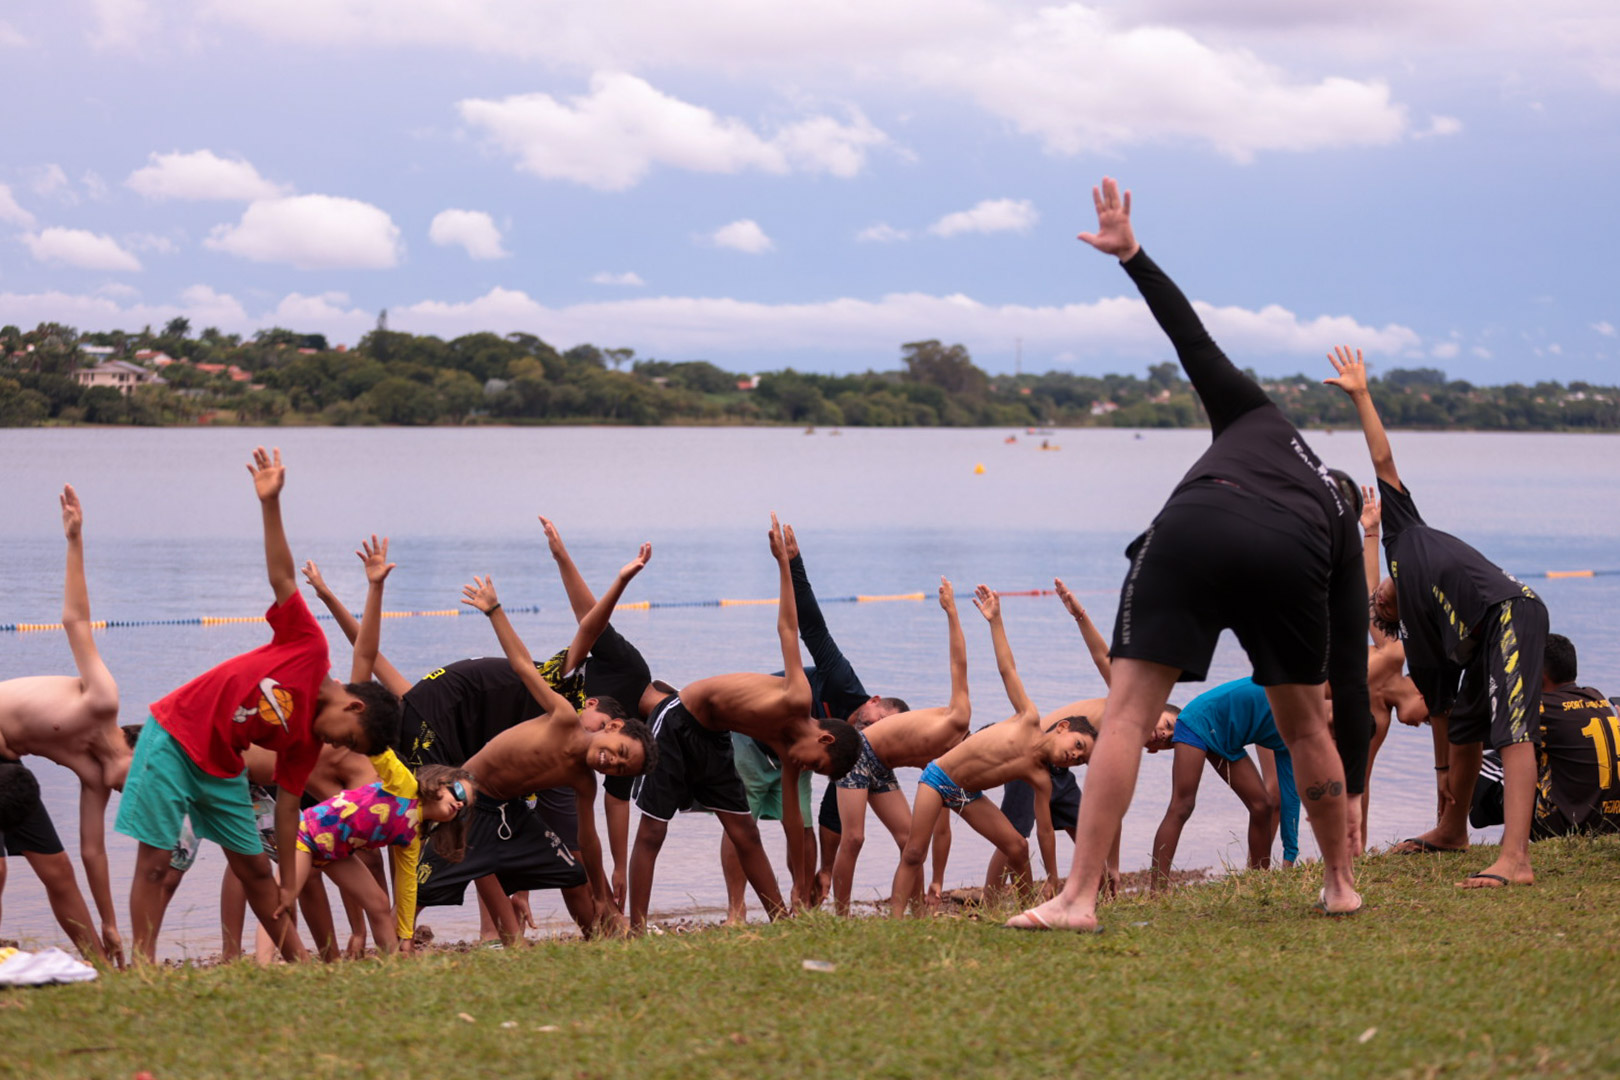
(172, 531)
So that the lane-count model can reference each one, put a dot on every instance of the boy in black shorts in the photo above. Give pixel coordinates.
(695, 757)
(1260, 538)
(1474, 637)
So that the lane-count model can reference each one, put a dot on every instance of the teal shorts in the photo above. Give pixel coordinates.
(165, 787)
(762, 779)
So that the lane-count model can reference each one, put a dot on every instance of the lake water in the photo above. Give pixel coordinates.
(172, 531)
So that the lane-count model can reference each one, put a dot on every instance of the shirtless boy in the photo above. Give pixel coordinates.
(906, 740)
(189, 760)
(552, 750)
(1016, 748)
(695, 757)
(73, 721)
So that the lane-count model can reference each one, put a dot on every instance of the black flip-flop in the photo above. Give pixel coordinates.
(1504, 882)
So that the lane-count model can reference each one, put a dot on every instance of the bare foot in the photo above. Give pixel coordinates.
(1431, 842)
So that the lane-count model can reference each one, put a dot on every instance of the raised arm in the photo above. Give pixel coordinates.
(100, 691)
(1226, 392)
(1351, 377)
(580, 597)
(787, 611)
(386, 673)
(601, 613)
(1096, 644)
(959, 704)
(1371, 529)
(268, 478)
(375, 557)
(481, 595)
(989, 604)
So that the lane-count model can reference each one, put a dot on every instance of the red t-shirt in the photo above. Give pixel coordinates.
(265, 697)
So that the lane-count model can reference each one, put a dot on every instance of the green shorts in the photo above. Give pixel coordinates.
(165, 786)
(762, 779)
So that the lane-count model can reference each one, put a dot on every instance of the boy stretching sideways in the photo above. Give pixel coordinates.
(552, 750)
(695, 758)
(189, 759)
(1016, 748)
(73, 721)
(905, 740)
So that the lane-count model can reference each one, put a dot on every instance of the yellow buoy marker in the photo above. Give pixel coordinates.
(978, 470)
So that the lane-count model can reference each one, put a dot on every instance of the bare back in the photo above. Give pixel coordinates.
(53, 717)
(750, 704)
(910, 740)
(991, 757)
(536, 754)
(339, 769)
(1090, 708)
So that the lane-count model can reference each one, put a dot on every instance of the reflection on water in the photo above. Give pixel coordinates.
(172, 533)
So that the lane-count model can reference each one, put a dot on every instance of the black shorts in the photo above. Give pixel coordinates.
(559, 809)
(1216, 558)
(35, 834)
(506, 839)
(620, 787)
(1018, 803)
(695, 767)
(1499, 702)
(827, 816)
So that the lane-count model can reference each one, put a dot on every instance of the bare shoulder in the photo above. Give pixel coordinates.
(47, 715)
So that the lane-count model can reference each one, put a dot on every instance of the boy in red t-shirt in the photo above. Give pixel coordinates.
(188, 761)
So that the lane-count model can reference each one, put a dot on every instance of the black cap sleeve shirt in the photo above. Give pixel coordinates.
(1444, 589)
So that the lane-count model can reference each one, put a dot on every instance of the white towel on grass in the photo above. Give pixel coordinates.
(42, 968)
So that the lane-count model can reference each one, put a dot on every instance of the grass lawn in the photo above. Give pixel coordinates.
(1236, 977)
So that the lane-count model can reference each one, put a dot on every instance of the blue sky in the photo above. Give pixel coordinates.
(763, 184)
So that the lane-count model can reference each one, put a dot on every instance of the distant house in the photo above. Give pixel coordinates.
(97, 353)
(748, 382)
(155, 357)
(121, 375)
(236, 374)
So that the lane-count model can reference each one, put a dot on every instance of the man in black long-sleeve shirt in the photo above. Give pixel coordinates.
(1260, 538)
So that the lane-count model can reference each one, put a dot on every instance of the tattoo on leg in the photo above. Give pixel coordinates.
(1326, 789)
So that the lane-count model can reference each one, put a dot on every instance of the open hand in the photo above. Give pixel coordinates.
(637, 564)
(481, 594)
(791, 541)
(72, 512)
(553, 538)
(375, 557)
(312, 574)
(988, 601)
(947, 595)
(268, 473)
(1071, 603)
(1351, 371)
(778, 542)
(1372, 515)
(1114, 235)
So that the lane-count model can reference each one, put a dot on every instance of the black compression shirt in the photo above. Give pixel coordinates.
(616, 669)
(1443, 588)
(466, 704)
(1257, 449)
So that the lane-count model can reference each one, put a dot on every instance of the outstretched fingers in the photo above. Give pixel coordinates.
(987, 600)
(481, 594)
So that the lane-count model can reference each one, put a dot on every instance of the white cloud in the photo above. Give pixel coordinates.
(881, 233)
(162, 245)
(1481, 351)
(118, 289)
(11, 213)
(1556, 349)
(115, 306)
(1604, 327)
(80, 248)
(628, 278)
(612, 137)
(328, 312)
(1445, 350)
(745, 236)
(201, 174)
(11, 37)
(717, 326)
(989, 216)
(121, 24)
(94, 185)
(312, 232)
(473, 230)
(52, 181)
(1439, 126)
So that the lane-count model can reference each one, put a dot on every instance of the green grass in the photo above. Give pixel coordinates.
(1237, 977)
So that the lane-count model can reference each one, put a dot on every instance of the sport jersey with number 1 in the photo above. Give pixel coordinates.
(1579, 760)
(265, 698)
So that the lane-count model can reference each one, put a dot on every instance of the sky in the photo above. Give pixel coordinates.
(811, 184)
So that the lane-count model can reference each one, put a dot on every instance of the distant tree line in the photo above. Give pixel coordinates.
(279, 376)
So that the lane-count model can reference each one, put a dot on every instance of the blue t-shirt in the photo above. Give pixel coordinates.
(1234, 716)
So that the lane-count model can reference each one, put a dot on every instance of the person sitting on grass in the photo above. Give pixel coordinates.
(73, 721)
(1017, 747)
(1474, 637)
(1217, 726)
(693, 729)
(189, 759)
(1578, 790)
(553, 750)
(902, 740)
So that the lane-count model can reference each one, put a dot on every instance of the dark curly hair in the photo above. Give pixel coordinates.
(380, 721)
(845, 749)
